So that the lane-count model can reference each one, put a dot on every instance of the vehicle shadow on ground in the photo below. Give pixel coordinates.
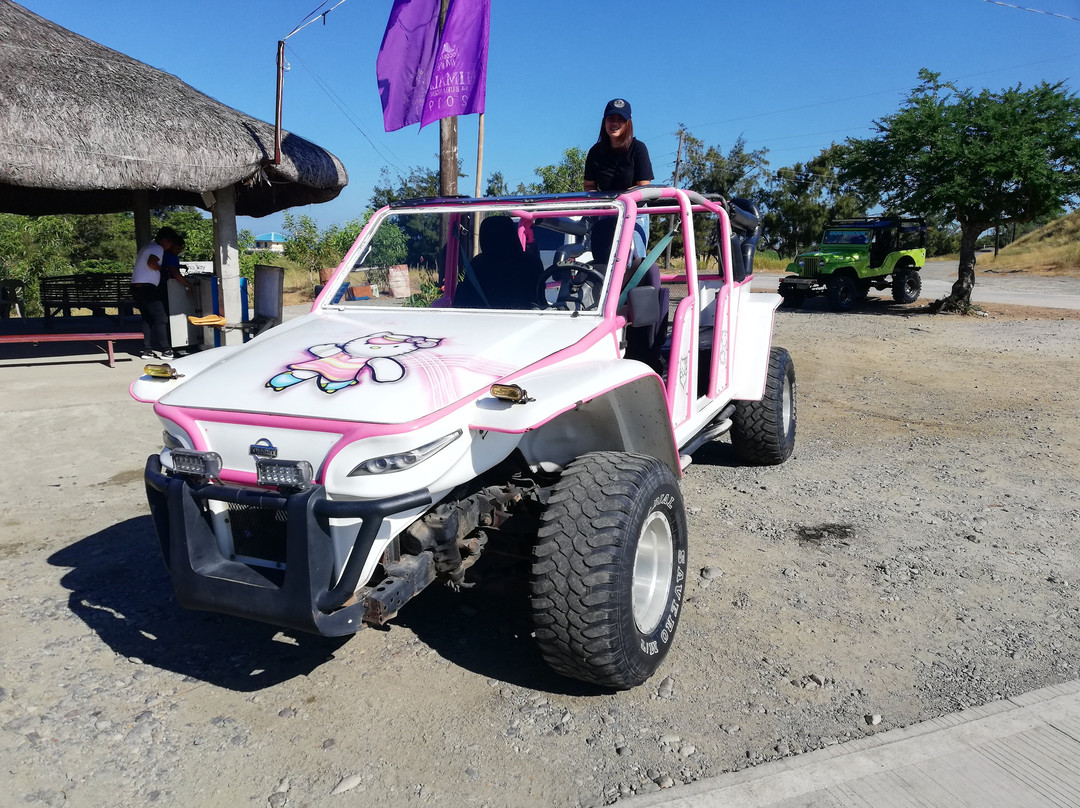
(120, 588)
(718, 453)
(487, 629)
(870, 305)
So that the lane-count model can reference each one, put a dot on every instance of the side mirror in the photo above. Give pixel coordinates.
(644, 306)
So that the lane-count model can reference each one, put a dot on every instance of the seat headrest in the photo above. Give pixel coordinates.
(499, 234)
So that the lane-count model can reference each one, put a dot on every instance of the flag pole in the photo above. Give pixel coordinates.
(480, 156)
(479, 175)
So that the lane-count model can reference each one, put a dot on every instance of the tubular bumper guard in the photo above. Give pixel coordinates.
(308, 599)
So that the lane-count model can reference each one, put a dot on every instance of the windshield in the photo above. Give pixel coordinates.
(514, 257)
(846, 237)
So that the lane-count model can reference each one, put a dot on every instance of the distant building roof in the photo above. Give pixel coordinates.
(279, 237)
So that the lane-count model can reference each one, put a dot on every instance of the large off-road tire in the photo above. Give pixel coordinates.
(906, 285)
(609, 569)
(763, 432)
(842, 292)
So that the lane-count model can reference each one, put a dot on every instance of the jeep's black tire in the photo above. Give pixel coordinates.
(609, 569)
(763, 432)
(906, 285)
(792, 298)
(842, 292)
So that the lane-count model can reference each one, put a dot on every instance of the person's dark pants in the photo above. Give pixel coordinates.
(154, 319)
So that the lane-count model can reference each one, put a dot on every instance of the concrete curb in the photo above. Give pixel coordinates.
(1023, 751)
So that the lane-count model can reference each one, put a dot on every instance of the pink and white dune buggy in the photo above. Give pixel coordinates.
(321, 475)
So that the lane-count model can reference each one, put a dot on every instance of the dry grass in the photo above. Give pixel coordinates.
(1050, 250)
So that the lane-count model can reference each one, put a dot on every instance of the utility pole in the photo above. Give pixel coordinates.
(448, 140)
(675, 183)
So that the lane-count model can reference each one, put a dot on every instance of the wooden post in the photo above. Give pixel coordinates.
(141, 209)
(448, 151)
(227, 262)
(675, 183)
(277, 106)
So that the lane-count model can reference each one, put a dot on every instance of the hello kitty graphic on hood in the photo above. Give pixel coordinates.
(337, 366)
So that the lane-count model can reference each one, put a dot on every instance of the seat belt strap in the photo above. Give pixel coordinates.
(650, 259)
(471, 276)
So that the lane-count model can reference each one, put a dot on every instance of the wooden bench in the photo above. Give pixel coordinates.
(95, 291)
(107, 338)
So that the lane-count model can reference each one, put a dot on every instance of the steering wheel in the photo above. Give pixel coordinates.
(579, 286)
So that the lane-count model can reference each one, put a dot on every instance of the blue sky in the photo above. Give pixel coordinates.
(791, 76)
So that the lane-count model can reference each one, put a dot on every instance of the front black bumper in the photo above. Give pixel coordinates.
(305, 597)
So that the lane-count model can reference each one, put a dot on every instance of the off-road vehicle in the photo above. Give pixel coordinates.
(856, 255)
(324, 473)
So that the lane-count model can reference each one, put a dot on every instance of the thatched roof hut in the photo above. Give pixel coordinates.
(83, 126)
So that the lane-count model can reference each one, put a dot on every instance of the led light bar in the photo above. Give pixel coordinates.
(296, 474)
(404, 460)
(196, 464)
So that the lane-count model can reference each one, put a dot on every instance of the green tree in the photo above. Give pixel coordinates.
(496, 185)
(801, 199)
(33, 247)
(566, 176)
(974, 158)
(307, 246)
(707, 170)
(422, 234)
(388, 249)
(197, 229)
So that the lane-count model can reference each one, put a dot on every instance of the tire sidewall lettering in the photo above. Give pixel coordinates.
(664, 502)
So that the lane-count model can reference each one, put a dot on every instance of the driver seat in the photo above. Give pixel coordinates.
(507, 273)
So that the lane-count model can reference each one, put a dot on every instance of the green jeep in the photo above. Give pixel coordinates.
(855, 255)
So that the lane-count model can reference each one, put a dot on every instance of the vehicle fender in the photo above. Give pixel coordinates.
(752, 343)
(590, 406)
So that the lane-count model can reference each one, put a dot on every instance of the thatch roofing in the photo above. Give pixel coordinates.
(82, 126)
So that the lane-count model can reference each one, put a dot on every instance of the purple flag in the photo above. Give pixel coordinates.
(459, 79)
(403, 67)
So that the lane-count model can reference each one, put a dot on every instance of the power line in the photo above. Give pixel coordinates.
(849, 98)
(342, 106)
(312, 17)
(1033, 10)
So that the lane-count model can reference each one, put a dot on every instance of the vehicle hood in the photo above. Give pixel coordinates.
(374, 367)
(837, 251)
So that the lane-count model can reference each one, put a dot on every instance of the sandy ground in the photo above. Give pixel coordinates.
(916, 555)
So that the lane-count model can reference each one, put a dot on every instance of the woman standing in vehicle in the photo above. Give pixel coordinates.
(618, 161)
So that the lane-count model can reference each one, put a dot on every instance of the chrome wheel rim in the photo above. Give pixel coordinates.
(787, 405)
(653, 563)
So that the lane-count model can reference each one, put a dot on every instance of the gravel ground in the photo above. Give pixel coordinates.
(915, 556)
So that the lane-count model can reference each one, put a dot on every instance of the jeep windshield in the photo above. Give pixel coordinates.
(554, 256)
(846, 237)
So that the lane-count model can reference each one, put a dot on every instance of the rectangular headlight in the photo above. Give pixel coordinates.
(296, 474)
(196, 464)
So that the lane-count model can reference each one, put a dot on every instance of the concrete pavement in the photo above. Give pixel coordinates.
(1022, 752)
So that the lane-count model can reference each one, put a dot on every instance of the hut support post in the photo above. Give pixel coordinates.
(227, 261)
(141, 208)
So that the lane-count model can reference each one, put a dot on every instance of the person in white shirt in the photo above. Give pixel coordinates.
(145, 278)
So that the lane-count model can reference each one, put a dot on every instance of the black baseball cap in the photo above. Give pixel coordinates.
(618, 106)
